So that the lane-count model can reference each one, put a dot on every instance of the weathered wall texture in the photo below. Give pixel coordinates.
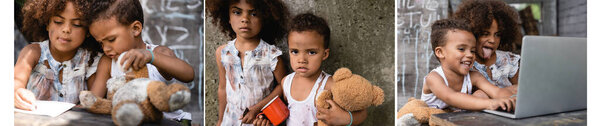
(572, 18)
(179, 26)
(362, 39)
(415, 57)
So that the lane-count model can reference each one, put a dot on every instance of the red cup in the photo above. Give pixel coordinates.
(275, 111)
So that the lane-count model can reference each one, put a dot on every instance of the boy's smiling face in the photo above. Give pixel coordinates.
(244, 20)
(307, 52)
(115, 37)
(458, 52)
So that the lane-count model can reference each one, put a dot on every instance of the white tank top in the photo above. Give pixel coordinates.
(433, 102)
(303, 113)
(153, 73)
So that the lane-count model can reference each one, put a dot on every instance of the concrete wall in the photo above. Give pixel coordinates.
(572, 18)
(415, 57)
(179, 26)
(362, 39)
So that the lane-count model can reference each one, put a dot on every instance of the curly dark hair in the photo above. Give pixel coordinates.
(440, 28)
(308, 21)
(479, 14)
(273, 15)
(125, 11)
(37, 14)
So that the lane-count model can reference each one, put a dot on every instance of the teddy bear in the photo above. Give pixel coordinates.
(351, 92)
(416, 112)
(133, 98)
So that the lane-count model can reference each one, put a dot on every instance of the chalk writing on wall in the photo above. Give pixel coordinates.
(415, 57)
(178, 24)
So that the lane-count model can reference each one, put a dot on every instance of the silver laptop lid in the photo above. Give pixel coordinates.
(552, 75)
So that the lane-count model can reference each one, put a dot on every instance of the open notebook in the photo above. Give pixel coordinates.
(50, 108)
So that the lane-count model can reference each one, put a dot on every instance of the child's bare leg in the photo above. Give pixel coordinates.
(480, 94)
(94, 104)
(168, 98)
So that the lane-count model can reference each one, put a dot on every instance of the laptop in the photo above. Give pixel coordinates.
(552, 77)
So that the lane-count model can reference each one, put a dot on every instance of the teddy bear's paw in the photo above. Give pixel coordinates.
(128, 114)
(407, 120)
(87, 99)
(179, 99)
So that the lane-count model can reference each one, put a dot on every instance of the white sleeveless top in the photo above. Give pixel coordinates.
(153, 74)
(433, 102)
(303, 113)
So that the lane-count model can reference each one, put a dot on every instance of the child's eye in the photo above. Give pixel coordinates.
(312, 52)
(294, 52)
(254, 14)
(236, 12)
(497, 34)
(58, 22)
(461, 49)
(111, 40)
(77, 25)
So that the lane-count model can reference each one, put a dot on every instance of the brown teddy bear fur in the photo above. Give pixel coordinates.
(351, 92)
(158, 100)
(419, 109)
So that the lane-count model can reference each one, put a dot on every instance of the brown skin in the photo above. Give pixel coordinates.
(117, 38)
(490, 38)
(246, 24)
(455, 59)
(66, 33)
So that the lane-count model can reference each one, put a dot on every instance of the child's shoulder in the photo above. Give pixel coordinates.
(433, 76)
(330, 83)
(32, 49)
(219, 49)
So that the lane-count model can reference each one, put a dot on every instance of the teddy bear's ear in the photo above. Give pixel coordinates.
(378, 92)
(342, 74)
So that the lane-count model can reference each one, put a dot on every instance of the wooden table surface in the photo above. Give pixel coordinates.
(75, 116)
(476, 118)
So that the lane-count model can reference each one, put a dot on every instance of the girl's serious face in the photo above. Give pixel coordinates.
(66, 31)
(114, 37)
(488, 42)
(459, 51)
(244, 20)
(307, 52)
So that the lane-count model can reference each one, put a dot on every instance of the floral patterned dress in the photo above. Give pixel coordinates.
(249, 84)
(44, 80)
(506, 66)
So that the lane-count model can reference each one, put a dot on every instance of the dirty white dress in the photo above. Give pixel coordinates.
(434, 102)
(249, 84)
(303, 113)
(45, 82)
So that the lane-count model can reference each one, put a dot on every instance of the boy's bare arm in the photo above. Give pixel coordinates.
(98, 85)
(170, 66)
(491, 90)
(457, 99)
(222, 96)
